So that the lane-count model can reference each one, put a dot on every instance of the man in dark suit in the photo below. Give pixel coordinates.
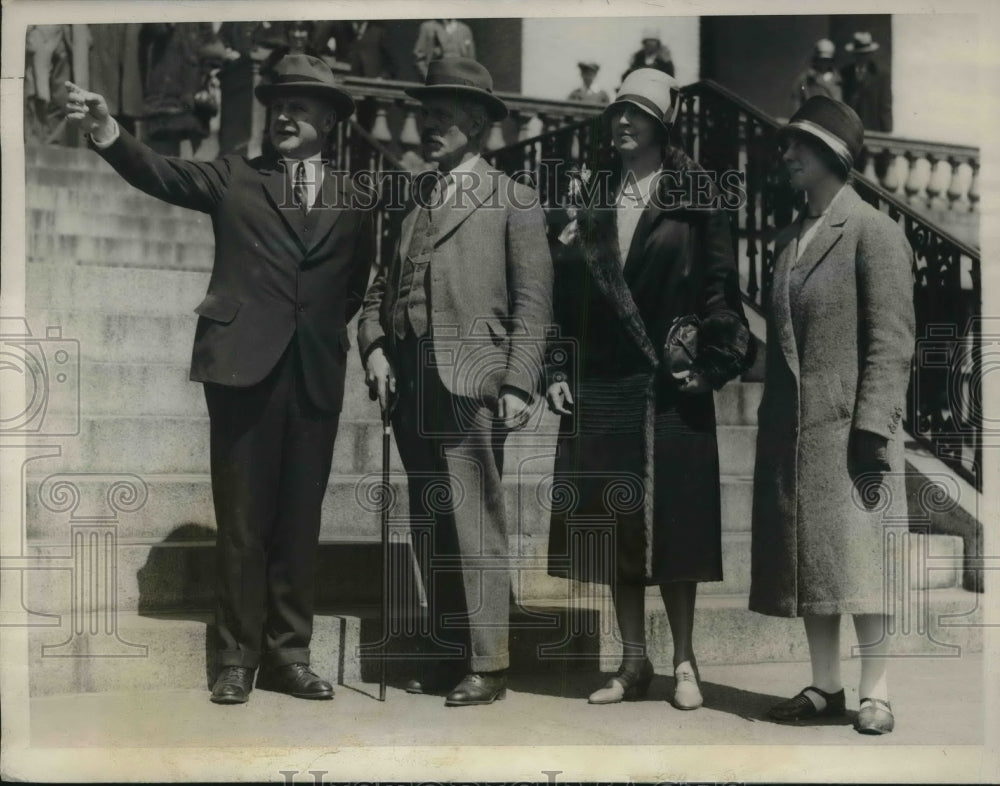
(292, 256)
(453, 324)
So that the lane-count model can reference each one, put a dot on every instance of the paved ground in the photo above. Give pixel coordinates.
(936, 702)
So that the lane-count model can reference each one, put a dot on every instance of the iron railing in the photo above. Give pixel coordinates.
(725, 133)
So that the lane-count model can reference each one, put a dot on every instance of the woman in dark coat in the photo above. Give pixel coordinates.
(828, 486)
(637, 446)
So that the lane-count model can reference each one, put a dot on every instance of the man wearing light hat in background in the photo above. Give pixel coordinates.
(292, 258)
(586, 92)
(654, 54)
(866, 87)
(820, 79)
(453, 325)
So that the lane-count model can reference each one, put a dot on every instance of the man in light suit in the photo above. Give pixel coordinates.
(453, 325)
(293, 251)
(439, 38)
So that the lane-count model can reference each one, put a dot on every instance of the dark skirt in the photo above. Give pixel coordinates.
(599, 530)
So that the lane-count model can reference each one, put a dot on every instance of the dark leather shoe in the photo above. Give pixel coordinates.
(801, 707)
(478, 688)
(233, 685)
(295, 679)
(875, 717)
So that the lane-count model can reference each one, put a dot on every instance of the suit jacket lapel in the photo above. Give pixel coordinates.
(781, 311)
(331, 202)
(829, 234)
(275, 184)
(472, 189)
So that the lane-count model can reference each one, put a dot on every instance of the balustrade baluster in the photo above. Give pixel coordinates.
(974, 186)
(918, 177)
(941, 175)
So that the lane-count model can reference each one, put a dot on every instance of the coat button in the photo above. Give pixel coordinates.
(302, 307)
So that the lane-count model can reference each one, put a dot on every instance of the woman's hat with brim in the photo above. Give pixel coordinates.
(861, 43)
(650, 90)
(463, 78)
(832, 123)
(305, 74)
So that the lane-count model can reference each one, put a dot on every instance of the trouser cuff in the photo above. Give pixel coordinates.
(246, 658)
(283, 657)
(489, 662)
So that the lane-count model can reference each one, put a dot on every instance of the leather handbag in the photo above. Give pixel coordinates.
(680, 348)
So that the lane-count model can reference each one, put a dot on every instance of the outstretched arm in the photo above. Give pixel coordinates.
(199, 185)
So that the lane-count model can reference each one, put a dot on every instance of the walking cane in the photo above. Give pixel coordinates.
(384, 600)
(417, 573)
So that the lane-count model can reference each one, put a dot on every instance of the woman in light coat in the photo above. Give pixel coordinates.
(828, 485)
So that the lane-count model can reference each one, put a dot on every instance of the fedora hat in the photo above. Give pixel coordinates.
(861, 42)
(460, 77)
(298, 73)
(652, 91)
(832, 123)
(589, 65)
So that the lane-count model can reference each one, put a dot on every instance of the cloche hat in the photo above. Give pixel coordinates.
(652, 91)
(831, 122)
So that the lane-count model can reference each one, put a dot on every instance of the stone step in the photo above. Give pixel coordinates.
(165, 388)
(160, 385)
(120, 290)
(107, 337)
(178, 575)
(111, 251)
(62, 158)
(737, 402)
(179, 507)
(82, 193)
(179, 444)
(147, 652)
(950, 624)
(192, 226)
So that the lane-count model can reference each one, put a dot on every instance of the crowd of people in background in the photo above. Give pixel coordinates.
(859, 83)
(176, 77)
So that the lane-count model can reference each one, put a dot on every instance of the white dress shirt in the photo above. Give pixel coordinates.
(632, 200)
(314, 177)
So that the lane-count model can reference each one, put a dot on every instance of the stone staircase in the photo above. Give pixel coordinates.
(119, 582)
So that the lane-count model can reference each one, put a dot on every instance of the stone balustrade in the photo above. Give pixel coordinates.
(927, 175)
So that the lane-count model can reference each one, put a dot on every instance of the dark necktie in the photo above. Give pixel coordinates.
(299, 190)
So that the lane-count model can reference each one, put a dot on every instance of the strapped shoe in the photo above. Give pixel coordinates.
(875, 717)
(801, 707)
(295, 679)
(628, 684)
(233, 685)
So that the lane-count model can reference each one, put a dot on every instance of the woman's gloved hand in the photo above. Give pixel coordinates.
(870, 451)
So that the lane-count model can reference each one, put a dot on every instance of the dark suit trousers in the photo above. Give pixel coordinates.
(452, 450)
(271, 451)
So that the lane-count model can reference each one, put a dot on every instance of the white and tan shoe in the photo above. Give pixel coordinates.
(687, 694)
